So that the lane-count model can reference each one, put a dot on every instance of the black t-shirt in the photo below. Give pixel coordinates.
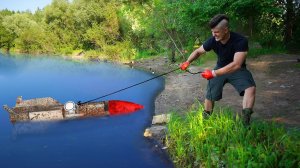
(225, 52)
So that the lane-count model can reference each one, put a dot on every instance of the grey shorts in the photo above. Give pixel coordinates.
(240, 80)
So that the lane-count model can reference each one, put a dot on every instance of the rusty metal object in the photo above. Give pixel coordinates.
(93, 109)
(47, 109)
(46, 101)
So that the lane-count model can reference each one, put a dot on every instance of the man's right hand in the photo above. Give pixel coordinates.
(184, 66)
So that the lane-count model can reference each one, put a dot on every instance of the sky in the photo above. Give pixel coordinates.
(23, 5)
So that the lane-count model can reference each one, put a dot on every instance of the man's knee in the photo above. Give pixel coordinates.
(208, 102)
(250, 91)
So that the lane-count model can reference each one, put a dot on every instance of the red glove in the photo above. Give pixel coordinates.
(208, 74)
(183, 66)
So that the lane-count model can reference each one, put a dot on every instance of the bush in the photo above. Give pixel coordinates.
(66, 50)
(146, 54)
(94, 54)
(121, 51)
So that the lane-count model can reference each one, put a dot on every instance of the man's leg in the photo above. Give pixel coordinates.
(213, 93)
(249, 98)
(244, 83)
(208, 108)
(248, 103)
(208, 105)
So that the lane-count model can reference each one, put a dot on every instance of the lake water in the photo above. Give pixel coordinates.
(94, 142)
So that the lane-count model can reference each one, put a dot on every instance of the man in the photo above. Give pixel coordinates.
(231, 49)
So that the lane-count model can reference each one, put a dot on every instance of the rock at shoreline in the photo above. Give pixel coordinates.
(158, 129)
(161, 119)
(157, 132)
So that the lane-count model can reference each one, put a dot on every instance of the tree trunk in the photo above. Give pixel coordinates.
(289, 18)
(250, 26)
(172, 54)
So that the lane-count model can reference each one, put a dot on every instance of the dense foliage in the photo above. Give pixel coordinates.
(124, 29)
(223, 141)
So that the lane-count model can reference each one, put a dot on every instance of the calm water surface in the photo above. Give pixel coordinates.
(94, 142)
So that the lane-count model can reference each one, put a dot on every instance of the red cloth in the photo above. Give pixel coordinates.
(118, 107)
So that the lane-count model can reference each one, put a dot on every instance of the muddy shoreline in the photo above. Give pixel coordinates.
(277, 92)
(181, 89)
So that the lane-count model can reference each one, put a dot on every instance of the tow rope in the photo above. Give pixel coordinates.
(80, 103)
(193, 73)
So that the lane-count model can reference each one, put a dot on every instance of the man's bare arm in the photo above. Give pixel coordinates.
(238, 59)
(195, 54)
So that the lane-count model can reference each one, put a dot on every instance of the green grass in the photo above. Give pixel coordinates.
(209, 56)
(144, 54)
(222, 141)
(255, 52)
(76, 52)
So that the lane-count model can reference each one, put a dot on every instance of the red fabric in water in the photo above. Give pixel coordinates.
(118, 107)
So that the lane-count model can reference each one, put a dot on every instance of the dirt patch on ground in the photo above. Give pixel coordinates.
(277, 78)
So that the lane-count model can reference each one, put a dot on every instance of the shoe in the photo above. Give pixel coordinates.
(246, 116)
(206, 114)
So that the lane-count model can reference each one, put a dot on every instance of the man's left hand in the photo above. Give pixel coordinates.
(208, 74)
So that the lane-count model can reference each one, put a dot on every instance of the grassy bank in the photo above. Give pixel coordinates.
(255, 52)
(222, 141)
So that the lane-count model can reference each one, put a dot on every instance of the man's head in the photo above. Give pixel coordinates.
(219, 25)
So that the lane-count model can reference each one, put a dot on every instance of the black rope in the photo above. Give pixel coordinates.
(194, 73)
(80, 103)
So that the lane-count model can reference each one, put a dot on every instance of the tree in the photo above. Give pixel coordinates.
(28, 34)
(148, 25)
(6, 38)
